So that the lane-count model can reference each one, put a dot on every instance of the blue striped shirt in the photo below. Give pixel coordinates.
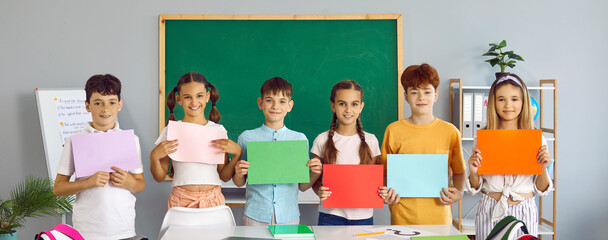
(264, 199)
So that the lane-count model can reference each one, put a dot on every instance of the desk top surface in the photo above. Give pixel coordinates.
(321, 232)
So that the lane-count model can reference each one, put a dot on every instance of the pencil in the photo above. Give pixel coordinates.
(368, 234)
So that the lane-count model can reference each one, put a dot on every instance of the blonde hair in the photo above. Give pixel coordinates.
(525, 119)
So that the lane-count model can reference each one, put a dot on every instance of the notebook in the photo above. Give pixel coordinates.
(290, 231)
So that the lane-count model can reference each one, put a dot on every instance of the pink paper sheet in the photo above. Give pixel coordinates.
(95, 152)
(194, 143)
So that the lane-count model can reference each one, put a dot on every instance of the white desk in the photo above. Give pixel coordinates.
(348, 232)
(321, 232)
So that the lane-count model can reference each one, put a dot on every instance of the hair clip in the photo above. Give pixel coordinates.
(175, 89)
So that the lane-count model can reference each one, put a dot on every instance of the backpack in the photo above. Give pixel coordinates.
(59, 232)
(507, 228)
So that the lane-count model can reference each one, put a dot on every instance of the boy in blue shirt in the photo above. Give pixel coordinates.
(105, 204)
(272, 203)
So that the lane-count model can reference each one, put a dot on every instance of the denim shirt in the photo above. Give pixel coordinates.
(264, 199)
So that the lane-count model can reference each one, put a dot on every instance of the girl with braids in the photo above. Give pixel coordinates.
(195, 185)
(345, 143)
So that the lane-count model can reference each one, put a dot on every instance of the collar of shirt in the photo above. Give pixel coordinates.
(89, 128)
(271, 130)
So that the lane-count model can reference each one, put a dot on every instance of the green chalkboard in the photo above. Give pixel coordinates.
(237, 54)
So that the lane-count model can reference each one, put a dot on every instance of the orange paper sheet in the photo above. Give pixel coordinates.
(509, 152)
(353, 186)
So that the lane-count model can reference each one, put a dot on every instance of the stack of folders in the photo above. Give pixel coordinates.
(474, 111)
(291, 231)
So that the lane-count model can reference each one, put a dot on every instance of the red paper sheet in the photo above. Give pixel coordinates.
(353, 186)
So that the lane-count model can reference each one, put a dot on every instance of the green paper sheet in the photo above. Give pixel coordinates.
(275, 162)
(290, 231)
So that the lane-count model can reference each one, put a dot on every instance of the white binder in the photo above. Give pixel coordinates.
(467, 115)
(484, 121)
(477, 113)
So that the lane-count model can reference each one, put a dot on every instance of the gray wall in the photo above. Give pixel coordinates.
(59, 44)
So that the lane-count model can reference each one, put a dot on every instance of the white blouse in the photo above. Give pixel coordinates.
(348, 153)
(509, 186)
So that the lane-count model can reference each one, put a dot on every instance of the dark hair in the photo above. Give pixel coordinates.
(104, 84)
(418, 75)
(214, 114)
(275, 85)
(331, 153)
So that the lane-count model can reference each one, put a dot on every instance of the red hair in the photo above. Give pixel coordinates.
(416, 76)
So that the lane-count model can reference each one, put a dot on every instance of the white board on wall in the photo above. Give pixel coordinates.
(62, 113)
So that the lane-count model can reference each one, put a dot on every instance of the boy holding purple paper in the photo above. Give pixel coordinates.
(105, 204)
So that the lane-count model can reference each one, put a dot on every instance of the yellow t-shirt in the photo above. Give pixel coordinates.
(438, 137)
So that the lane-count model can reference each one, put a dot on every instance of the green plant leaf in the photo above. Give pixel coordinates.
(510, 62)
(503, 44)
(511, 65)
(490, 54)
(493, 61)
(516, 57)
(32, 198)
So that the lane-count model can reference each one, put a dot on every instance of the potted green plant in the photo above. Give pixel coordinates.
(31, 198)
(503, 59)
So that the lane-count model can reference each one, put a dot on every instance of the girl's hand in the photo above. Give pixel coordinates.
(315, 165)
(227, 146)
(323, 193)
(241, 168)
(543, 156)
(163, 149)
(475, 161)
(122, 178)
(450, 195)
(389, 195)
(98, 179)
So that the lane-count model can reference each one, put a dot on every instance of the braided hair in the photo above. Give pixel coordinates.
(214, 114)
(331, 153)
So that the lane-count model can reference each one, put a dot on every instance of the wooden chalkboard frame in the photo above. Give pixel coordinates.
(162, 54)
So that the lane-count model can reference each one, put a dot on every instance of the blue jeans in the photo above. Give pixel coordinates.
(329, 219)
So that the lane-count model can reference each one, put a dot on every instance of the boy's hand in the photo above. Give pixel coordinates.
(226, 146)
(315, 165)
(241, 168)
(543, 156)
(164, 148)
(450, 195)
(98, 179)
(389, 195)
(323, 193)
(122, 178)
(475, 161)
